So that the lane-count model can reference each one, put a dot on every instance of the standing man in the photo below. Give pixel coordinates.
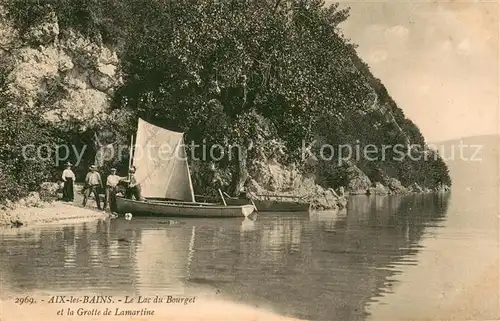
(111, 185)
(133, 188)
(68, 178)
(93, 183)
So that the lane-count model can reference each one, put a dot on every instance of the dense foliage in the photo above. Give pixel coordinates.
(255, 73)
(23, 166)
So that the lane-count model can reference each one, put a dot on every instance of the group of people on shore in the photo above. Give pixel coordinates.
(94, 184)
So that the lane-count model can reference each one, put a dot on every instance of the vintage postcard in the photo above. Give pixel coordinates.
(249, 160)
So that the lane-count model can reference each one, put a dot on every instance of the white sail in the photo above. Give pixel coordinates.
(161, 163)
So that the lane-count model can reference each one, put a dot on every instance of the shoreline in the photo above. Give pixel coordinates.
(33, 210)
(49, 213)
(58, 212)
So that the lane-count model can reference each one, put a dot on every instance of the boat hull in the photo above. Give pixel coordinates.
(271, 205)
(184, 209)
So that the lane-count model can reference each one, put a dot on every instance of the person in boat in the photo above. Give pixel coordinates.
(111, 190)
(245, 191)
(133, 188)
(214, 177)
(93, 184)
(342, 191)
(68, 178)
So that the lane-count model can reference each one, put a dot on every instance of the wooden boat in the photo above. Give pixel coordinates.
(150, 207)
(165, 180)
(272, 203)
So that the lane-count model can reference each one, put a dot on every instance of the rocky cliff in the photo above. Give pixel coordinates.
(61, 73)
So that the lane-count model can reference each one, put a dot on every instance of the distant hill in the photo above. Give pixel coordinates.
(477, 166)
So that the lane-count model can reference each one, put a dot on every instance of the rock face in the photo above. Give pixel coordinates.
(9, 36)
(415, 188)
(274, 177)
(271, 177)
(359, 183)
(380, 189)
(327, 199)
(47, 31)
(392, 185)
(67, 77)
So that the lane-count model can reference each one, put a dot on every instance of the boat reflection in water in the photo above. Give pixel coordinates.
(328, 266)
(247, 225)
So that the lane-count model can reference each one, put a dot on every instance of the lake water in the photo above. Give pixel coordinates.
(385, 258)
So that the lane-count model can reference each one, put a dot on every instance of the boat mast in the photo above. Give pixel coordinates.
(189, 173)
(131, 153)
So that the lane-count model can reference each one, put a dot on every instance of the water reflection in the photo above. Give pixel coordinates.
(161, 260)
(247, 225)
(326, 266)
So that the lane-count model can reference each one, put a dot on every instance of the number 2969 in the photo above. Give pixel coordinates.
(24, 300)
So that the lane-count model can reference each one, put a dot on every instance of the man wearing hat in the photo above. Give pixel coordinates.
(93, 183)
(111, 189)
(133, 188)
(68, 178)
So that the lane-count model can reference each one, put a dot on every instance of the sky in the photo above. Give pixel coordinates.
(439, 61)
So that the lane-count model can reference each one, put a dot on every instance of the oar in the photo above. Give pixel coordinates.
(222, 196)
(251, 201)
(254, 207)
